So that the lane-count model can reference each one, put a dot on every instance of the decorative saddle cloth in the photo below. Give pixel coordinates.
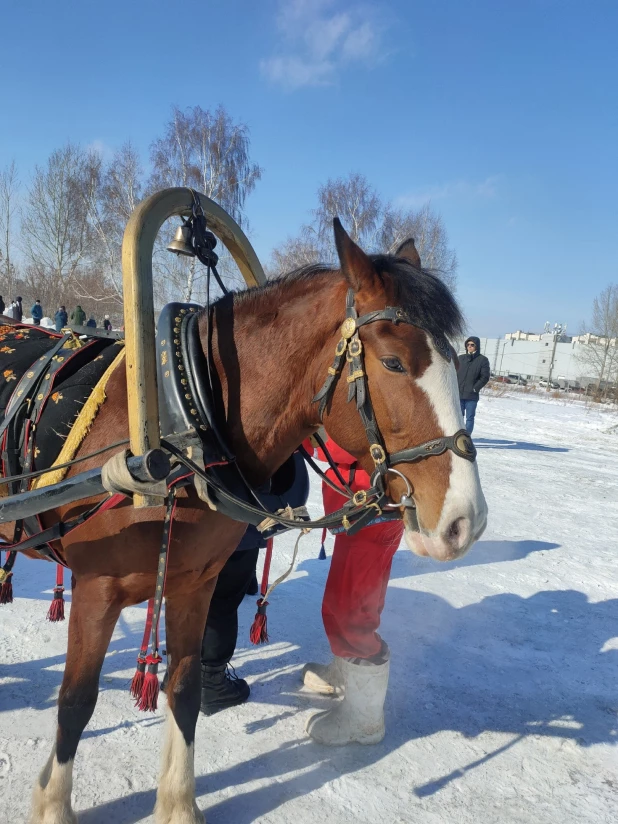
(46, 379)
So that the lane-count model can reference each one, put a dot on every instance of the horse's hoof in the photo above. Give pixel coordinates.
(185, 815)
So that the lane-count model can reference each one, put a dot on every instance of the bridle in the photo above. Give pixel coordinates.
(350, 349)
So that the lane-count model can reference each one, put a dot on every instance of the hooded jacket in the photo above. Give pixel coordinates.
(473, 372)
(78, 316)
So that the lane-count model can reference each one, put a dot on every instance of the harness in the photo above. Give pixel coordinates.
(350, 349)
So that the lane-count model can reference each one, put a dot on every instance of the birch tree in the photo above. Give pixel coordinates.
(208, 151)
(9, 214)
(599, 355)
(54, 228)
(375, 225)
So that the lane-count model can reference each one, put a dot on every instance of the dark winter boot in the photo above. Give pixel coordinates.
(222, 688)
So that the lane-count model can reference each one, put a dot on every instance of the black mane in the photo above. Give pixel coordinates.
(426, 299)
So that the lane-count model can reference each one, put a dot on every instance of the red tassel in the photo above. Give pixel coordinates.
(258, 634)
(147, 701)
(6, 591)
(56, 609)
(137, 684)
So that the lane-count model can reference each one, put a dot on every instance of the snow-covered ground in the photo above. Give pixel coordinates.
(502, 705)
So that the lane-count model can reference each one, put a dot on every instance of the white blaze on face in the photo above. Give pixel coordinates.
(464, 512)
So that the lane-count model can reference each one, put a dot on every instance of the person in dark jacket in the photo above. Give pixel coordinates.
(19, 310)
(78, 316)
(37, 313)
(107, 324)
(91, 322)
(2, 306)
(61, 318)
(472, 375)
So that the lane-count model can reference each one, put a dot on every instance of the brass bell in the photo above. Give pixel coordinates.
(181, 244)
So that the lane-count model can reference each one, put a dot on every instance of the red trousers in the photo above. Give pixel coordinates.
(356, 587)
(359, 569)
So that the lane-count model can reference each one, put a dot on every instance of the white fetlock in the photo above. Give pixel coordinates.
(179, 815)
(326, 679)
(51, 799)
(360, 716)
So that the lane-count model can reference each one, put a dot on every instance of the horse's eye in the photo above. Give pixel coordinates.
(393, 364)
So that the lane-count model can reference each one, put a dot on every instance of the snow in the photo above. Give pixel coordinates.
(502, 704)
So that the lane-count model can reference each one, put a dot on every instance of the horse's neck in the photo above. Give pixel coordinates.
(272, 351)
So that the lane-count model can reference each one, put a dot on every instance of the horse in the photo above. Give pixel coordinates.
(271, 348)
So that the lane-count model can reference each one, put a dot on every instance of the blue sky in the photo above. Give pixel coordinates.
(503, 114)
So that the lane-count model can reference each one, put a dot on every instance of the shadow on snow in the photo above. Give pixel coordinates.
(522, 666)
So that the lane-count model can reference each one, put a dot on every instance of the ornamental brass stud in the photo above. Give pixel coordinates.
(183, 381)
(377, 453)
(177, 320)
(188, 396)
(193, 411)
(356, 347)
(348, 327)
(341, 347)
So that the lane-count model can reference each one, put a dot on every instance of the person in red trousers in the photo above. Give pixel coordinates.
(351, 610)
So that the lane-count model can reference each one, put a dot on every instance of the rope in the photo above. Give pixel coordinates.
(290, 569)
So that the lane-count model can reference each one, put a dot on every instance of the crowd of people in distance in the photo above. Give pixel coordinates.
(78, 317)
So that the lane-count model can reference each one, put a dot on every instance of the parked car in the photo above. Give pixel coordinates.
(518, 380)
(501, 379)
(552, 385)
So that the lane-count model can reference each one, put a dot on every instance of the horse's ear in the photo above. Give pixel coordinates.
(409, 251)
(355, 264)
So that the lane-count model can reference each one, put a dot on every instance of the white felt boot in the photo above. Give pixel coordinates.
(360, 716)
(327, 679)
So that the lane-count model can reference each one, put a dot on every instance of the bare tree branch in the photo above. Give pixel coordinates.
(208, 152)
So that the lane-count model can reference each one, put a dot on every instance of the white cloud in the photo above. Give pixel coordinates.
(318, 38)
(100, 148)
(462, 189)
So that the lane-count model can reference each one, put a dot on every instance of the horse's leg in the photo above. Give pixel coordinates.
(92, 621)
(185, 619)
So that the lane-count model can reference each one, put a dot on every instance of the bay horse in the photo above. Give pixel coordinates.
(272, 347)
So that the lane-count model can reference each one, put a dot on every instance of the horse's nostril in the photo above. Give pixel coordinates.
(457, 533)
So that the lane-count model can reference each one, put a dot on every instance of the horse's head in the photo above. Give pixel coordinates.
(410, 377)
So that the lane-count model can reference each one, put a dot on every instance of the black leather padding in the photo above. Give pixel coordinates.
(187, 401)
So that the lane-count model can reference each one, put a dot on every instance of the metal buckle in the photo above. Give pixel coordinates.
(341, 347)
(360, 498)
